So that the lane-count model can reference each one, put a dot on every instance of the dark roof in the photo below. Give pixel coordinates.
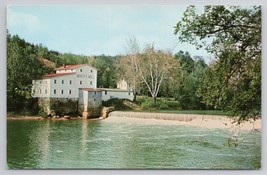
(73, 66)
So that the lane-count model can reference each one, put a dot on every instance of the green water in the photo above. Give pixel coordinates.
(100, 144)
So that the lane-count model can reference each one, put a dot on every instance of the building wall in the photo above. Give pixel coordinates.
(122, 84)
(94, 99)
(63, 87)
(114, 93)
(66, 86)
(88, 76)
(90, 103)
(41, 88)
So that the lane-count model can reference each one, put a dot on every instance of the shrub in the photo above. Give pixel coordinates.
(163, 106)
(150, 105)
(173, 104)
(141, 99)
(42, 113)
(116, 103)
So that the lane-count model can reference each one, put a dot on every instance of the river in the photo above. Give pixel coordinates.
(79, 144)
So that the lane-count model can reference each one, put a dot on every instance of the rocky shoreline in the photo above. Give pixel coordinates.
(41, 118)
(199, 120)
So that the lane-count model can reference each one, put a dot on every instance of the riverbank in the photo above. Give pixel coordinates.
(150, 118)
(205, 121)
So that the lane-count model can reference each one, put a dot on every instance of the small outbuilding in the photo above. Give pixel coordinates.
(89, 102)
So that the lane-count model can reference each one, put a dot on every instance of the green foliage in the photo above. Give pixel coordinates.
(42, 113)
(147, 103)
(233, 81)
(163, 106)
(22, 68)
(106, 70)
(118, 104)
(187, 81)
(64, 107)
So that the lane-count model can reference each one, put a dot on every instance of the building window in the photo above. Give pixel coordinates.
(91, 71)
(81, 82)
(94, 99)
(81, 70)
(62, 81)
(55, 81)
(70, 82)
(69, 91)
(46, 91)
(40, 91)
(95, 92)
(129, 93)
(55, 91)
(106, 92)
(62, 91)
(91, 82)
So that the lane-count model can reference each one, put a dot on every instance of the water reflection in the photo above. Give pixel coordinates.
(96, 144)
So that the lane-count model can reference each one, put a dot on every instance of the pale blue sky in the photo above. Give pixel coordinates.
(95, 30)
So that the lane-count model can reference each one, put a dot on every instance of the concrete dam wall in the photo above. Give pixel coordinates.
(167, 116)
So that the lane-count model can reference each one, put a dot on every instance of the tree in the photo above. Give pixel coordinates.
(22, 68)
(149, 68)
(129, 66)
(187, 80)
(106, 70)
(155, 67)
(233, 81)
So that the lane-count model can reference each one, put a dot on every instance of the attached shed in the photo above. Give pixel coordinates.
(116, 93)
(90, 101)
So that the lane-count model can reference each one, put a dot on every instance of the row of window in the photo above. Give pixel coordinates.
(40, 91)
(62, 91)
(55, 91)
(62, 82)
(82, 70)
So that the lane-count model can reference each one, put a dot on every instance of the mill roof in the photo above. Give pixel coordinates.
(74, 66)
(58, 74)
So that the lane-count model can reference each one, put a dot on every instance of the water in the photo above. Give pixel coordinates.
(99, 144)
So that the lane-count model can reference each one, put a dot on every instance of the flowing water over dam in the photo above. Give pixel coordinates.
(99, 144)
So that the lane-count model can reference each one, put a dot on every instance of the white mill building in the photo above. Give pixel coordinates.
(74, 88)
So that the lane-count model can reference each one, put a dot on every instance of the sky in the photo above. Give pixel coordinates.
(95, 29)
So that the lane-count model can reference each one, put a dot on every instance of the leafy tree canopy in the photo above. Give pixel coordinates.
(233, 81)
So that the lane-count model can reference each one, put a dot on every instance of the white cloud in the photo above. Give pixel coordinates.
(23, 22)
